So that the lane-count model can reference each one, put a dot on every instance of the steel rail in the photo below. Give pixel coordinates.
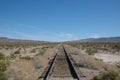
(71, 66)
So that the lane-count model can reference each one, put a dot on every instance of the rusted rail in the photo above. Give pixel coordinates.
(75, 73)
(61, 67)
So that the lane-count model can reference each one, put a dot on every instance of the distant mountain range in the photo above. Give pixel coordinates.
(106, 39)
(5, 39)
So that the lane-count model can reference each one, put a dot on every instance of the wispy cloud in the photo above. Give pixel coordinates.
(28, 26)
(92, 35)
(66, 36)
(95, 36)
(46, 37)
(38, 34)
(26, 31)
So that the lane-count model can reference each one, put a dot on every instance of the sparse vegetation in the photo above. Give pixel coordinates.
(19, 54)
(117, 46)
(91, 51)
(96, 45)
(37, 62)
(41, 53)
(91, 63)
(26, 58)
(42, 50)
(33, 51)
(3, 65)
(2, 56)
(15, 54)
(110, 75)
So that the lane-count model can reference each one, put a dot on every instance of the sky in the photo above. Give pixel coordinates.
(59, 20)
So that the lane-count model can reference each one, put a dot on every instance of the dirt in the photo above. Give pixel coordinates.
(21, 70)
(88, 66)
(32, 69)
(108, 58)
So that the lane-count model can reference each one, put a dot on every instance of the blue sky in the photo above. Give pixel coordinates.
(59, 20)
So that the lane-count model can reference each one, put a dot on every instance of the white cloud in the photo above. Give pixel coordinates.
(91, 35)
(36, 34)
(47, 37)
(65, 36)
(69, 35)
(95, 36)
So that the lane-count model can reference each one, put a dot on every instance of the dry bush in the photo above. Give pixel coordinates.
(109, 75)
(26, 58)
(86, 61)
(33, 51)
(20, 70)
(91, 51)
(37, 62)
(3, 65)
(15, 54)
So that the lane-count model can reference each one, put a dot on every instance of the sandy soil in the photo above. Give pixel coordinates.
(108, 58)
(21, 70)
(28, 69)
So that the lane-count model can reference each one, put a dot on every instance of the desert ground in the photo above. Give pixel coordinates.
(29, 62)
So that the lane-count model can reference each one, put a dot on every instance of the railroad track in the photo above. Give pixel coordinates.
(61, 67)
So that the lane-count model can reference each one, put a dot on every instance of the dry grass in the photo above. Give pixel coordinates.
(21, 70)
(88, 64)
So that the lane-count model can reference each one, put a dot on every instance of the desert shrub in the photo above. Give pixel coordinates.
(6, 48)
(110, 75)
(91, 51)
(89, 62)
(17, 52)
(33, 51)
(13, 56)
(37, 62)
(26, 58)
(20, 48)
(1, 75)
(98, 59)
(45, 47)
(2, 56)
(41, 52)
(117, 46)
(3, 67)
